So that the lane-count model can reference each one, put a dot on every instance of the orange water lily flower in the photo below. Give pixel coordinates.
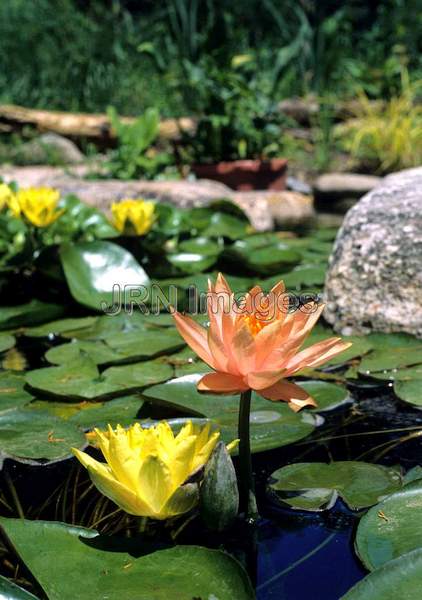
(256, 344)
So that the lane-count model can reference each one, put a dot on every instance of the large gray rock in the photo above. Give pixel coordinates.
(264, 209)
(374, 282)
(50, 148)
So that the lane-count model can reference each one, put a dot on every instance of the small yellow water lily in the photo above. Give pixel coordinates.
(133, 216)
(147, 468)
(38, 205)
(8, 199)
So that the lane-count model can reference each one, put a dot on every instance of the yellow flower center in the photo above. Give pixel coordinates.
(256, 323)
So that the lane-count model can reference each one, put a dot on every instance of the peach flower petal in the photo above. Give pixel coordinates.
(289, 392)
(195, 336)
(222, 383)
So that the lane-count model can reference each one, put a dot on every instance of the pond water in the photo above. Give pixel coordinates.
(309, 554)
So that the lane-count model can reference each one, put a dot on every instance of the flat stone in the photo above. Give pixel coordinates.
(374, 281)
(286, 210)
(349, 185)
(263, 208)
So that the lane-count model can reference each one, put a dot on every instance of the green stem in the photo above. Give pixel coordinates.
(247, 502)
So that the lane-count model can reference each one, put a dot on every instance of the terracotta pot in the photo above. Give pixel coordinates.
(246, 175)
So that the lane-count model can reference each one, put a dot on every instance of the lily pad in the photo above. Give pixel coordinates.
(189, 263)
(32, 312)
(316, 486)
(391, 528)
(11, 591)
(117, 567)
(94, 269)
(81, 380)
(88, 415)
(409, 391)
(273, 424)
(201, 245)
(399, 578)
(59, 327)
(391, 351)
(117, 348)
(102, 327)
(6, 342)
(37, 435)
(327, 395)
(12, 393)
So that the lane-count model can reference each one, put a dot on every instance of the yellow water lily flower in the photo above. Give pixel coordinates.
(8, 199)
(147, 468)
(39, 205)
(133, 216)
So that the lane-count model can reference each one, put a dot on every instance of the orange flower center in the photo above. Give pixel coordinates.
(256, 323)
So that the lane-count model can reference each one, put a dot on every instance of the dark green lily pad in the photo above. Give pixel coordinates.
(412, 475)
(37, 435)
(399, 578)
(273, 424)
(88, 415)
(117, 348)
(316, 486)
(12, 393)
(201, 245)
(409, 391)
(61, 326)
(6, 342)
(189, 263)
(116, 567)
(93, 269)
(391, 351)
(102, 327)
(327, 395)
(32, 312)
(11, 591)
(406, 374)
(81, 380)
(225, 225)
(391, 528)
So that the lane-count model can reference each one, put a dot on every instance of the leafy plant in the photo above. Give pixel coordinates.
(387, 135)
(134, 155)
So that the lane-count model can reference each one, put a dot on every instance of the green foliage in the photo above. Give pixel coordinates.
(134, 156)
(135, 56)
(388, 134)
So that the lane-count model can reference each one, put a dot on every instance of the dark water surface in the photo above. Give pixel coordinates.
(309, 555)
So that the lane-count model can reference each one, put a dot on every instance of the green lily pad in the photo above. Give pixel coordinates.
(399, 578)
(117, 348)
(391, 528)
(201, 245)
(88, 415)
(12, 393)
(225, 225)
(412, 475)
(37, 435)
(409, 391)
(327, 395)
(316, 486)
(391, 351)
(59, 327)
(116, 567)
(406, 374)
(305, 276)
(11, 591)
(272, 424)
(191, 262)
(81, 380)
(93, 269)
(361, 345)
(102, 327)
(32, 312)
(6, 342)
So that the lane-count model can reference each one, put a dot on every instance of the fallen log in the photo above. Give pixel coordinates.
(94, 127)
